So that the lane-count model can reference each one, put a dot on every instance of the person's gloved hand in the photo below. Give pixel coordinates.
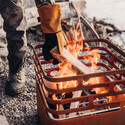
(50, 17)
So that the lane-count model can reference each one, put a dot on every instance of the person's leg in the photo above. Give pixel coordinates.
(15, 28)
(1, 47)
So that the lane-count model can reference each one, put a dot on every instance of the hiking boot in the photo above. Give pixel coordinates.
(1, 66)
(16, 83)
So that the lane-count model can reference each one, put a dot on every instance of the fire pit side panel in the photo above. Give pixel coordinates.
(109, 118)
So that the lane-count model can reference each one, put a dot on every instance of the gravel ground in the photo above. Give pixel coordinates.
(21, 110)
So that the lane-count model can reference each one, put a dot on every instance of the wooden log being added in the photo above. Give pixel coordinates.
(79, 66)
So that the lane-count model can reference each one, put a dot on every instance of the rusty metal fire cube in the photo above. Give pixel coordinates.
(92, 109)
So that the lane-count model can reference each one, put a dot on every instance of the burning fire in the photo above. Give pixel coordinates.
(74, 46)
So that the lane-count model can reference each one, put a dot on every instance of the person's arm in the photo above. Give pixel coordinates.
(50, 18)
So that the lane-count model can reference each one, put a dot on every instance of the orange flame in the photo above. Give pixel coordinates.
(93, 57)
(74, 46)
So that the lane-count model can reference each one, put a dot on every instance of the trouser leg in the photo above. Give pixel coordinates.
(15, 28)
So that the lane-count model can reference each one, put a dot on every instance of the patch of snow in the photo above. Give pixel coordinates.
(112, 11)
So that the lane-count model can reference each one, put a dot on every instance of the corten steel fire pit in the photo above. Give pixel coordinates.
(92, 108)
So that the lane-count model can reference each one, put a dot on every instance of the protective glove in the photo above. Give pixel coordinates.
(50, 17)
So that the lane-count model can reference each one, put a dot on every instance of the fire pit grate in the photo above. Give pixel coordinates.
(108, 106)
